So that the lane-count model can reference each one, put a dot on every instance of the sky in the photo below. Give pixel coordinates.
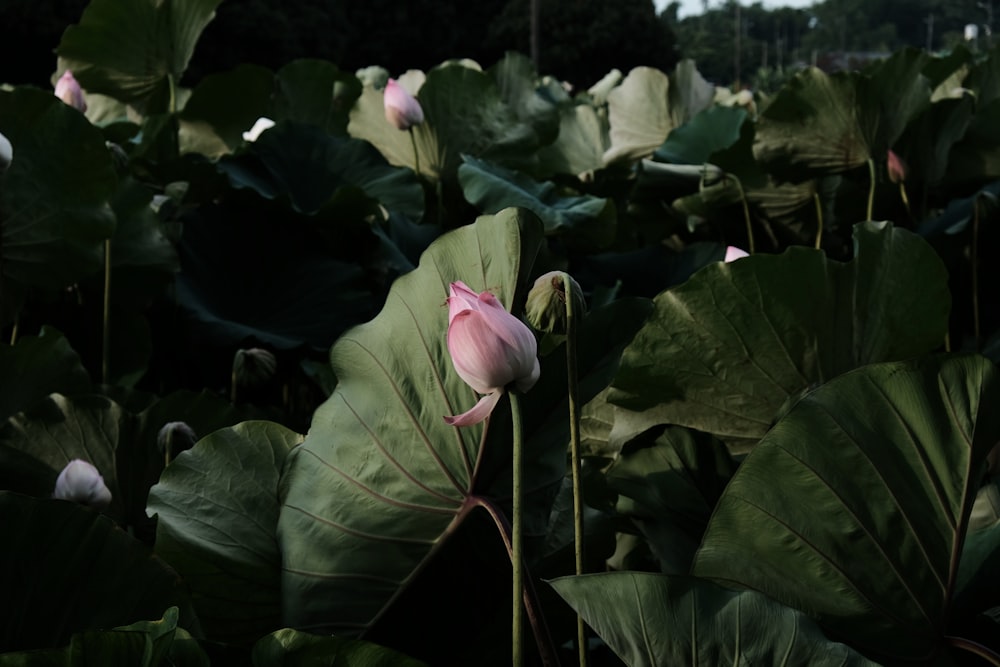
(690, 7)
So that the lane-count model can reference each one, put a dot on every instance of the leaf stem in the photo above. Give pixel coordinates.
(974, 648)
(517, 530)
(416, 155)
(871, 188)
(106, 334)
(572, 390)
(819, 220)
(746, 213)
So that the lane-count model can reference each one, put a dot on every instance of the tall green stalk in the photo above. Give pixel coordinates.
(517, 531)
(416, 154)
(574, 440)
(871, 188)
(819, 220)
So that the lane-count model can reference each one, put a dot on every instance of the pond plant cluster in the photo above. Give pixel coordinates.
(235, 318)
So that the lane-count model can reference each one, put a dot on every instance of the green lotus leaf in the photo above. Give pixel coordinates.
(518, 83)
(710, 131)
(54, 212)
(135, 52)
(310, 166)
(891, 93)
(723, 352)
(653, 619)
(648, 105)
(222, 107)
(853, 508)
(464, 114)
(217, 510)
(579, 149)
(583, 217)
(68, 569)
(291, 648)
(668, 482)
(37, 366)
(397, 482)
(315, 92)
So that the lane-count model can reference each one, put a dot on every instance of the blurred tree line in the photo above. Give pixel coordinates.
(746, 44)
(581, 40)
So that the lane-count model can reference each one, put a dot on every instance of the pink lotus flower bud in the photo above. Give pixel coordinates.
(401, 109)
(490, 349)
(733, 253)
(69, 91)
(897, 168)
(80, 482)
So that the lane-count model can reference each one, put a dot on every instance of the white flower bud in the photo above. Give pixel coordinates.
(80, 482)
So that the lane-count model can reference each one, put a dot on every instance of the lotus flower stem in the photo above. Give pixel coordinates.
(517, 530)
(13, 331)
(746, 214)
(906, 200)
(172, 99)
(975, 648)
(106, 337)
(574, 440)
(819, 220)
(416, 154)
(974, 261)
(871, 189)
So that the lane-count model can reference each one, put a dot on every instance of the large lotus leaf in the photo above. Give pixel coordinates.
(305, 296)
(517, 81)
(36, 366)
(217, 509)
(492, 188)
(54, 211)
(291, 648)
(668, 482)
(811, 127)
(926, 145)
(890, 94)
(579, 149)
(853, 508)
(135, 51)
(724, 351)
(712, 130)
(975, 159)
(67, 569)
(222, 107)
(310, 166)
(395, 475)
(464, 114)
(652, 619)
(648, 105)
(315, 92)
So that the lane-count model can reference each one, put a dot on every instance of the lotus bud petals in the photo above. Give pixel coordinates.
(174, 438)
(402, 110)
(6, 153)
(259, 127)
(897, 168)
(490, 349)
(69, 91)
(546, 307)
(733, 253)
(80, 482)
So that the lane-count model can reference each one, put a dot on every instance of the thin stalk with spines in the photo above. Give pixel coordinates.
(574, 440)
(517, 533)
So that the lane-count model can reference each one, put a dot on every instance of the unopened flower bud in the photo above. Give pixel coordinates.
(546, 306)
(253, 368)
(259, 127)
(402, 109)
(6, 153)
(69, 91)
(897, 168)
(174, 438)
(80, 482)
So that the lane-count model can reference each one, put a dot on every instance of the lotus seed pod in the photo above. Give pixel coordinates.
(546, 307)
(174, 438)
(80, 482)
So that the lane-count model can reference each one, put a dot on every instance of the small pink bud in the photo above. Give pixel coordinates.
(733, 253)
(490, 349)
(69, 91)
(401, 109)
(80, 482)
(897, 168)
